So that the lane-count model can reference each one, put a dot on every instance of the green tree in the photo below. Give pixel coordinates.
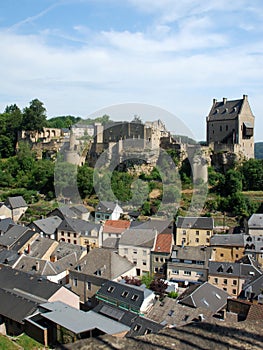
(252, 175)
(85, 181)
(34, 116)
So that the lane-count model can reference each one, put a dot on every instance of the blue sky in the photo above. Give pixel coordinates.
(79, 56)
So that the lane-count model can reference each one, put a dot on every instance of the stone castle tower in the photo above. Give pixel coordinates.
(230, 127)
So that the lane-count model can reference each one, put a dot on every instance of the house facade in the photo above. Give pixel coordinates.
(107, 211)
(227, 247)
(194, 231)
(161, 254)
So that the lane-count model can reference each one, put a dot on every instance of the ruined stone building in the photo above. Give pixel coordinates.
(230, 127)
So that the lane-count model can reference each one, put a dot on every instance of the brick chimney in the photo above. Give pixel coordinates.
(224, 100)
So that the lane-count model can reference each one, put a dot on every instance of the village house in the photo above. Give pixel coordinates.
(161, 254)
(194, 231)
(231, 277)
(254, 247)
(227, 247)
(255, 225)
(80, 232)
(128, 297)
(136, 245)
(20, 295)
(14, 208)
(114, 228)
(18, 238)
(97, 267)
(107, 211)
(46, 227)
(188, 265)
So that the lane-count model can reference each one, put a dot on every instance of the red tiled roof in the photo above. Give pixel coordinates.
(116, 226)
(164, 243)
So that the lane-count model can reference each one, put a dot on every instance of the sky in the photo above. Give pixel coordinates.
(80, 56)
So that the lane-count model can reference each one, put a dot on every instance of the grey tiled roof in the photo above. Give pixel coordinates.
(195, 222)
(79, 208)
(65, 249)
(191, 253)
(40, 246)
(205, 296)
(111, 243)
(256, 221)
(164, 226)
(110, 264)
(13, 235)
(232, 240)
(79, 226)
(229, 110)
(48, 225)
(106, 207)
(137, 237)
(5, 223)
(16, 202)
(233, 269)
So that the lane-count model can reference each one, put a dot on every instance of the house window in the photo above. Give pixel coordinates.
(237, 255)
(215, 280)
(199, 262)
(62, 233)
(197, 240)
(124, 294)
(144, 262)
(134, 251)
(156, 269)
(135, 261)
(225, 289)
(98, 216)
(197, 233)
(75, 282)
(200, 274)
(234, 282)
(187, 273)
(137, 327)
(221, 255)
(161, 270)
(207, 240)
(68, 234)
(110, 289)
(125, 251)
(75, 235)
(225, 281)
(161, 259)
(88, 285)
(234, 291)
(75, 242)
(184, 232)
(156, 259)
(208, 233)
(175, 272)
(144, 252)
(69, 240)
(135, 297)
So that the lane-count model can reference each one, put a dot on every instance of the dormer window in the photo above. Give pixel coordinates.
(111, 289)
(230, 269)
(135, 297)
(220, 269)
(125, 294)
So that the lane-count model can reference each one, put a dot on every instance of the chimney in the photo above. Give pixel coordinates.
(214, 101)
(37, 265)
(244, 97)
(28, 249)
(224, 100)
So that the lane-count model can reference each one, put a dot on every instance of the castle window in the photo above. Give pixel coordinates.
(220, 127)
(226, 127)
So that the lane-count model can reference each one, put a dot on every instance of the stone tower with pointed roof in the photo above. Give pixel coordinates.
(230, 127)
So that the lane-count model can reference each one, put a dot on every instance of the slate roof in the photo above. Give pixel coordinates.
(198, 253)
(65, 249)
(48, 225)
(13, 235)
(21, 283)
(62, 212)
(229, 110)
(255, 221)
(40, 246)
(106, 207)
(5, 223)
(231, 240)
(255, 312)
(256, 285)
(163, 243)
(205, 296)
(137, 324)
(116, 226)
(79, 226)
(8, 256)
(16, 202)
(162, 226)
(79, 209)
(114, 290)
(233, 269)
(15, 307)
(111, 243)
(23, 240)
(110, 264)
(79, 321)
(204, 223)
(140, 238)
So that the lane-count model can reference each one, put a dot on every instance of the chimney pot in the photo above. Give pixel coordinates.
(224, 100)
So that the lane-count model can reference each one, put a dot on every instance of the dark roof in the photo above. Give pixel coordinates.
(205, 296)
(195, 223)
(5, 223)
(62, 212)
(16, 202)
(8, 256)
(23, 240)
(64, 249)
(106, 207)
(79, 209)
(255, 285)
(48, 225)
(227, 110)
(137, 237)
(40, 246)
(77, 225)
(111, 243)
(15, 307)
(232, 240)
(138, 324)
(21, 283)
(162, 226)
(198, 253)
(233, 269)
(12, 235)
(114, 290)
